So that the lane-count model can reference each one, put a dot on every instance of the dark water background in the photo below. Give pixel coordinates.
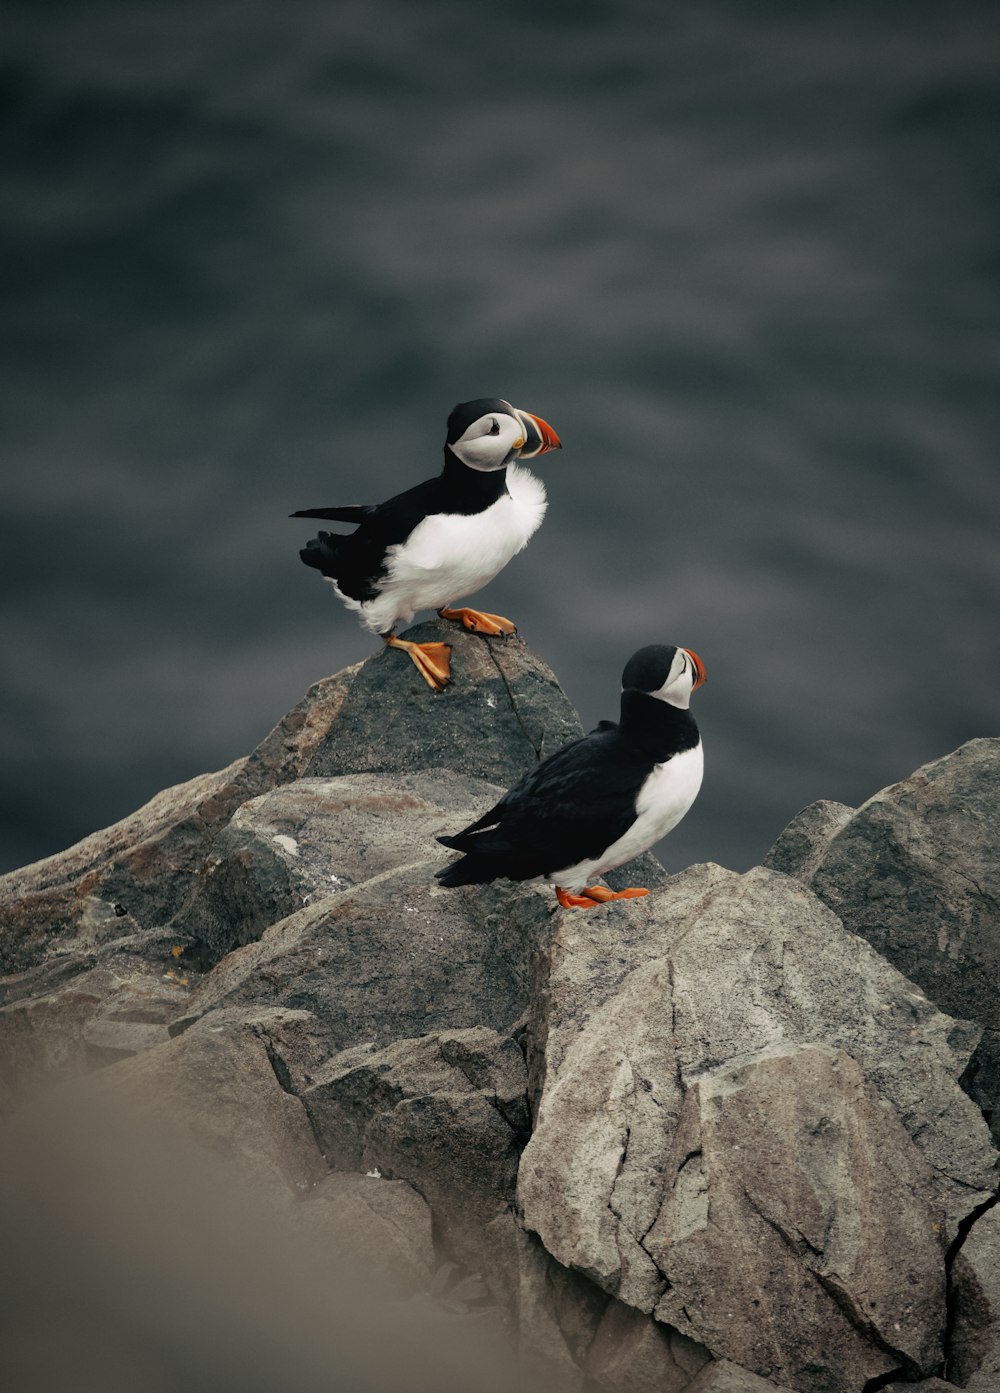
(744, 258)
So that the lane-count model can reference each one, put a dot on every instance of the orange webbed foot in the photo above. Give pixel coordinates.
(432, 660)
(593, 895)
(478, 622)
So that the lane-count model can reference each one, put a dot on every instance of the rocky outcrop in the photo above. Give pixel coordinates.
(142, 868)
(915, 871)
(735, 1074)
(726, 1139)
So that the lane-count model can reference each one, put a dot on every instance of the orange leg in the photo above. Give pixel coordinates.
(432, 660)
(593, 895)
(478, 622)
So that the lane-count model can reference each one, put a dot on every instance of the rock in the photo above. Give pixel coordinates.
(145, 865)
(636, 1136)
(226, 1083)
(372, 1223)
(555, 1312)
(94, 1017)
(800, 848)
(316, 839)
(798, 1161)
(916, 872)
(930, 1385)
(634, 1352)
(974, 1361)
(447, 1112)
(396, 957)
(503, 711)
(64, 897)
(723, 1377)
(745, 1150)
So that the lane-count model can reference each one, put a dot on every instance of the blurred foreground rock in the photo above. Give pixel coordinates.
(730, 1138)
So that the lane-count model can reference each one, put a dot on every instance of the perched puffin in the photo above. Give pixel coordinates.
(445, 538)
(599, 800)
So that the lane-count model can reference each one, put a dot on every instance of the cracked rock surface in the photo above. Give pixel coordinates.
(747, 1111)
(727, 1139)
(915, 871)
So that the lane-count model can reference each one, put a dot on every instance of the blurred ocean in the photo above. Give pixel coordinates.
(744, 258)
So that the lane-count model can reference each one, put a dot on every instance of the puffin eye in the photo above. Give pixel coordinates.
(494, 428)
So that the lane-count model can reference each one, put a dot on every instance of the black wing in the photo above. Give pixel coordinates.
(357, 562)
(572, 806)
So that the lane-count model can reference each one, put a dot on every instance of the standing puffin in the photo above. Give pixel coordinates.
(599, 800)
(445, 538)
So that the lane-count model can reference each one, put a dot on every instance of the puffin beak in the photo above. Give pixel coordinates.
(700, 674)
(539, 437)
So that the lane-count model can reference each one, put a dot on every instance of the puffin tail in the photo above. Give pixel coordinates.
(469, 870)
(350, 512)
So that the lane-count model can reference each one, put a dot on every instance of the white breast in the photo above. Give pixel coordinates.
(661, 803)
(450, 556)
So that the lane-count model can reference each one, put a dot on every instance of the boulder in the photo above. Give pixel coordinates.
(734, 1130)
(503, 711)
(724, 1020)
(380, 1226)
(446, 1112)
(316, 839)
(916, 872)
(88, 1018)
(631, 1351)
(792, 1157)
(145, 865)
(227, 1083)
(803, 843)
(394, 958)
(974, 1361)
(723, 1377)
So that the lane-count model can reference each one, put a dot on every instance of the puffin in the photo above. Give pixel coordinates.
(600, 800)
(445, 538)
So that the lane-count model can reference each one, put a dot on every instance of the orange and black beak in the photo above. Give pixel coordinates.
(539, 437)
(700, 674)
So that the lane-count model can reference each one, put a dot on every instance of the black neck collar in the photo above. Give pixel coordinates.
(660, 729)
(472, 489)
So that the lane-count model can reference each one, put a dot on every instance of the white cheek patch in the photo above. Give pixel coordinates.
(676, 691)
(480, 449)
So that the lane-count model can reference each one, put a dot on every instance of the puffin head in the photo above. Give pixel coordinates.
(489, 433)
(670, 674)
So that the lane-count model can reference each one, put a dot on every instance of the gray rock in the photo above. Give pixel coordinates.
(393, 957)
(974, 1360)
(794, 1158)
(800, 848)
(145, 865)
(932, 1385)
(650, 1022)
(87, 1011)
(396, 957)
(447, 1112)
(502, 712)
(723, 1377)
(226, 1084)
(317, 838)
(555, 1313)
(633, 1352)
(380, 1226)
(916, 871)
